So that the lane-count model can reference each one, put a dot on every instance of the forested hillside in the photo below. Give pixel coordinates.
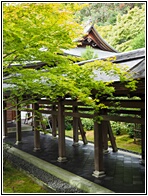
(122, 25)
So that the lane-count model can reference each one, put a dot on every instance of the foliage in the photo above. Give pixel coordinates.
(32, 26)
(89, 53)
(116, 127)
(73, 80)
(104, 31)
(138, 41)
(38, 31)
(121, 128)
(88, 124)
(68, 123)
(127, 29)
(104, 13)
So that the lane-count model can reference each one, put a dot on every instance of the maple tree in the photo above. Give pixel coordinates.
(30, 29)
(39, 32)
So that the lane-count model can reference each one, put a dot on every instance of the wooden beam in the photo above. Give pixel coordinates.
(125, 103)
(5, 130)
(46, 101)
(116, 111)
(79, 109)
(78, 115)
(36, 127)
(48, 112)
(127, 119)
(73, 103)
(61, 131)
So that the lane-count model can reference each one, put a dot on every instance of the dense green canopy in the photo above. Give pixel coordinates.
(38, 32)
(129, 31)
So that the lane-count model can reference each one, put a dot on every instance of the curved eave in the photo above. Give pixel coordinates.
(101, 42)
(92, 33)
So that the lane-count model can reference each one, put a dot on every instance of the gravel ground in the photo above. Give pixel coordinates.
(52, 181)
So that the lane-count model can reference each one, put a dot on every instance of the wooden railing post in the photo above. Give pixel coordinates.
(98, 151)
(5, 130)
(18, 124)
(61, 132)
(36, 118)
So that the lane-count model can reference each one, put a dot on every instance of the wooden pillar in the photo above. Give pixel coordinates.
(75, 128)
(18, 124)
(98, 151)
(143, 137)
(54, 122)
(36, 118)
(5, 130)
(61, 131)
(105, 134)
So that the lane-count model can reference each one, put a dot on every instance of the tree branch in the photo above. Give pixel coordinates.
(5, 55)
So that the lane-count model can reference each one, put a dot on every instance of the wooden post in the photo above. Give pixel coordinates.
(75, 128)
(98, 151)
(54, 122)
(61, 131)
(105, 133)
(5, 131)
(36, 118)
(143, 137)
(18, 125)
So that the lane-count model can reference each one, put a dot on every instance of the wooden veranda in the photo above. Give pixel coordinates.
(133, 108)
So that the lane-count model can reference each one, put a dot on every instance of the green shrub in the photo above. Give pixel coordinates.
(121, 128)
(87, 123)
(130, 129)
(68, 123)
(116, 128)
(89, 53)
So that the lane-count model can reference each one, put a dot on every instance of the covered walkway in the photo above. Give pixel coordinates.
(123, 172)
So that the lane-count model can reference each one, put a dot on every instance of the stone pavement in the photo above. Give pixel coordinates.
(124, 174)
